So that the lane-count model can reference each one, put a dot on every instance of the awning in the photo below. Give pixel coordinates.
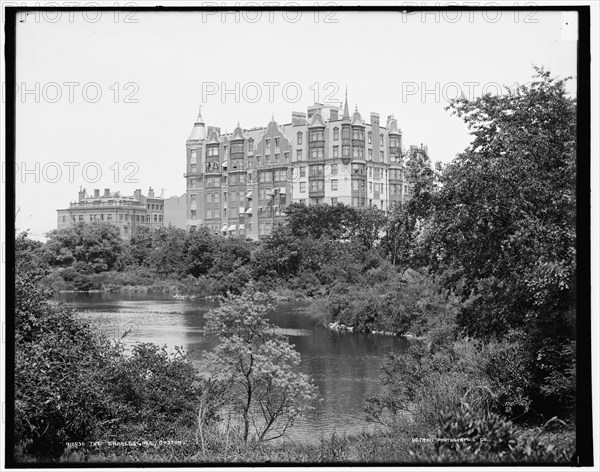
(231, 228)
(249, 211)
(224, 164)
(224, 228)
(249, 194)
(241, 209)
(282, 190)
(242, 227)
(271, 192)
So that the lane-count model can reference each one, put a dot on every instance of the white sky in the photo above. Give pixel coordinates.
(386, 60)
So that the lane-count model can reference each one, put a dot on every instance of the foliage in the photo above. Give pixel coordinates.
(61, 367)
(74, 384)
(140, 245)
(156, 393)
(387, 300)
(466, 436)
(503, 221)
(258, 366)
(96, 247)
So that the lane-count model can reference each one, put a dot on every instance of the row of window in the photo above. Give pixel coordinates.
(314, 135)
(280, 175)
(396, 189)
(122, 217)
(319, 185)
(356, 133)
(154, 206)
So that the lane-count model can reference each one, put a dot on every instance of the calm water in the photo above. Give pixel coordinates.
(345, 366)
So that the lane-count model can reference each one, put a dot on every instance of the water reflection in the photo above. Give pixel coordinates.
(345, 366)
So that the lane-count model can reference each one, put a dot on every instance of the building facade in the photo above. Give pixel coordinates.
(124, 212)
(239, 183)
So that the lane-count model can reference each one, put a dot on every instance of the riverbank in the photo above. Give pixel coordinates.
(383, 446)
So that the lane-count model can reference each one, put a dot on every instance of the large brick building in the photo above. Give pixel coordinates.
(125, 212)
(239, 183)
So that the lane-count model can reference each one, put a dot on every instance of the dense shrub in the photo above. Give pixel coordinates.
(464, 435)
(60, 374)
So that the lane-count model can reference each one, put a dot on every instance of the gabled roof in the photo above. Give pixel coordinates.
(213, 138)
(237, 133)
(316, 121)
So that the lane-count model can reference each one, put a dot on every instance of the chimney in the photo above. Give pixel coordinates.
(138, 194)
(374, 118)
(107, 192)
(150, 192)
(82, 194)
(333, 115)
(298, 118)
(96, 193)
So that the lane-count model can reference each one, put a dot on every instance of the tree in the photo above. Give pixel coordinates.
(200, 248)
(167, 256)
(502, 225)
(140, 245)
(259, 367)
(366, 225)
(316, 221)
(96, 246)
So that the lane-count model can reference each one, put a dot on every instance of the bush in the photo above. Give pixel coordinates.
(486, 438)
(60, 374)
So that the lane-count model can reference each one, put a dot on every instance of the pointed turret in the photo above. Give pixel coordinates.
(199, 130)
(237, 133)
(346, 115)
(356, 118)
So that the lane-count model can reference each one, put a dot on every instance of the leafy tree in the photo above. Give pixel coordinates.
(259, 367)
(366, 225)
(96, 247)
(200, 249)
(168, 250)
(140, 245)
(29, 257)
(502, 226)
(316, 221)
(398, 241)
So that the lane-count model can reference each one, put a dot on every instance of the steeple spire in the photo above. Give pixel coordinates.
(199, 119)
(346, 115)
(199, 130)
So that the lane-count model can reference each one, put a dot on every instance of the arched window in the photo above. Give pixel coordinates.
(250, 145)
(299, 138)
(370, 137)
(336, 133)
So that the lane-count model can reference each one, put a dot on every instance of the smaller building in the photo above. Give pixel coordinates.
(175, 211)
(124, 212)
